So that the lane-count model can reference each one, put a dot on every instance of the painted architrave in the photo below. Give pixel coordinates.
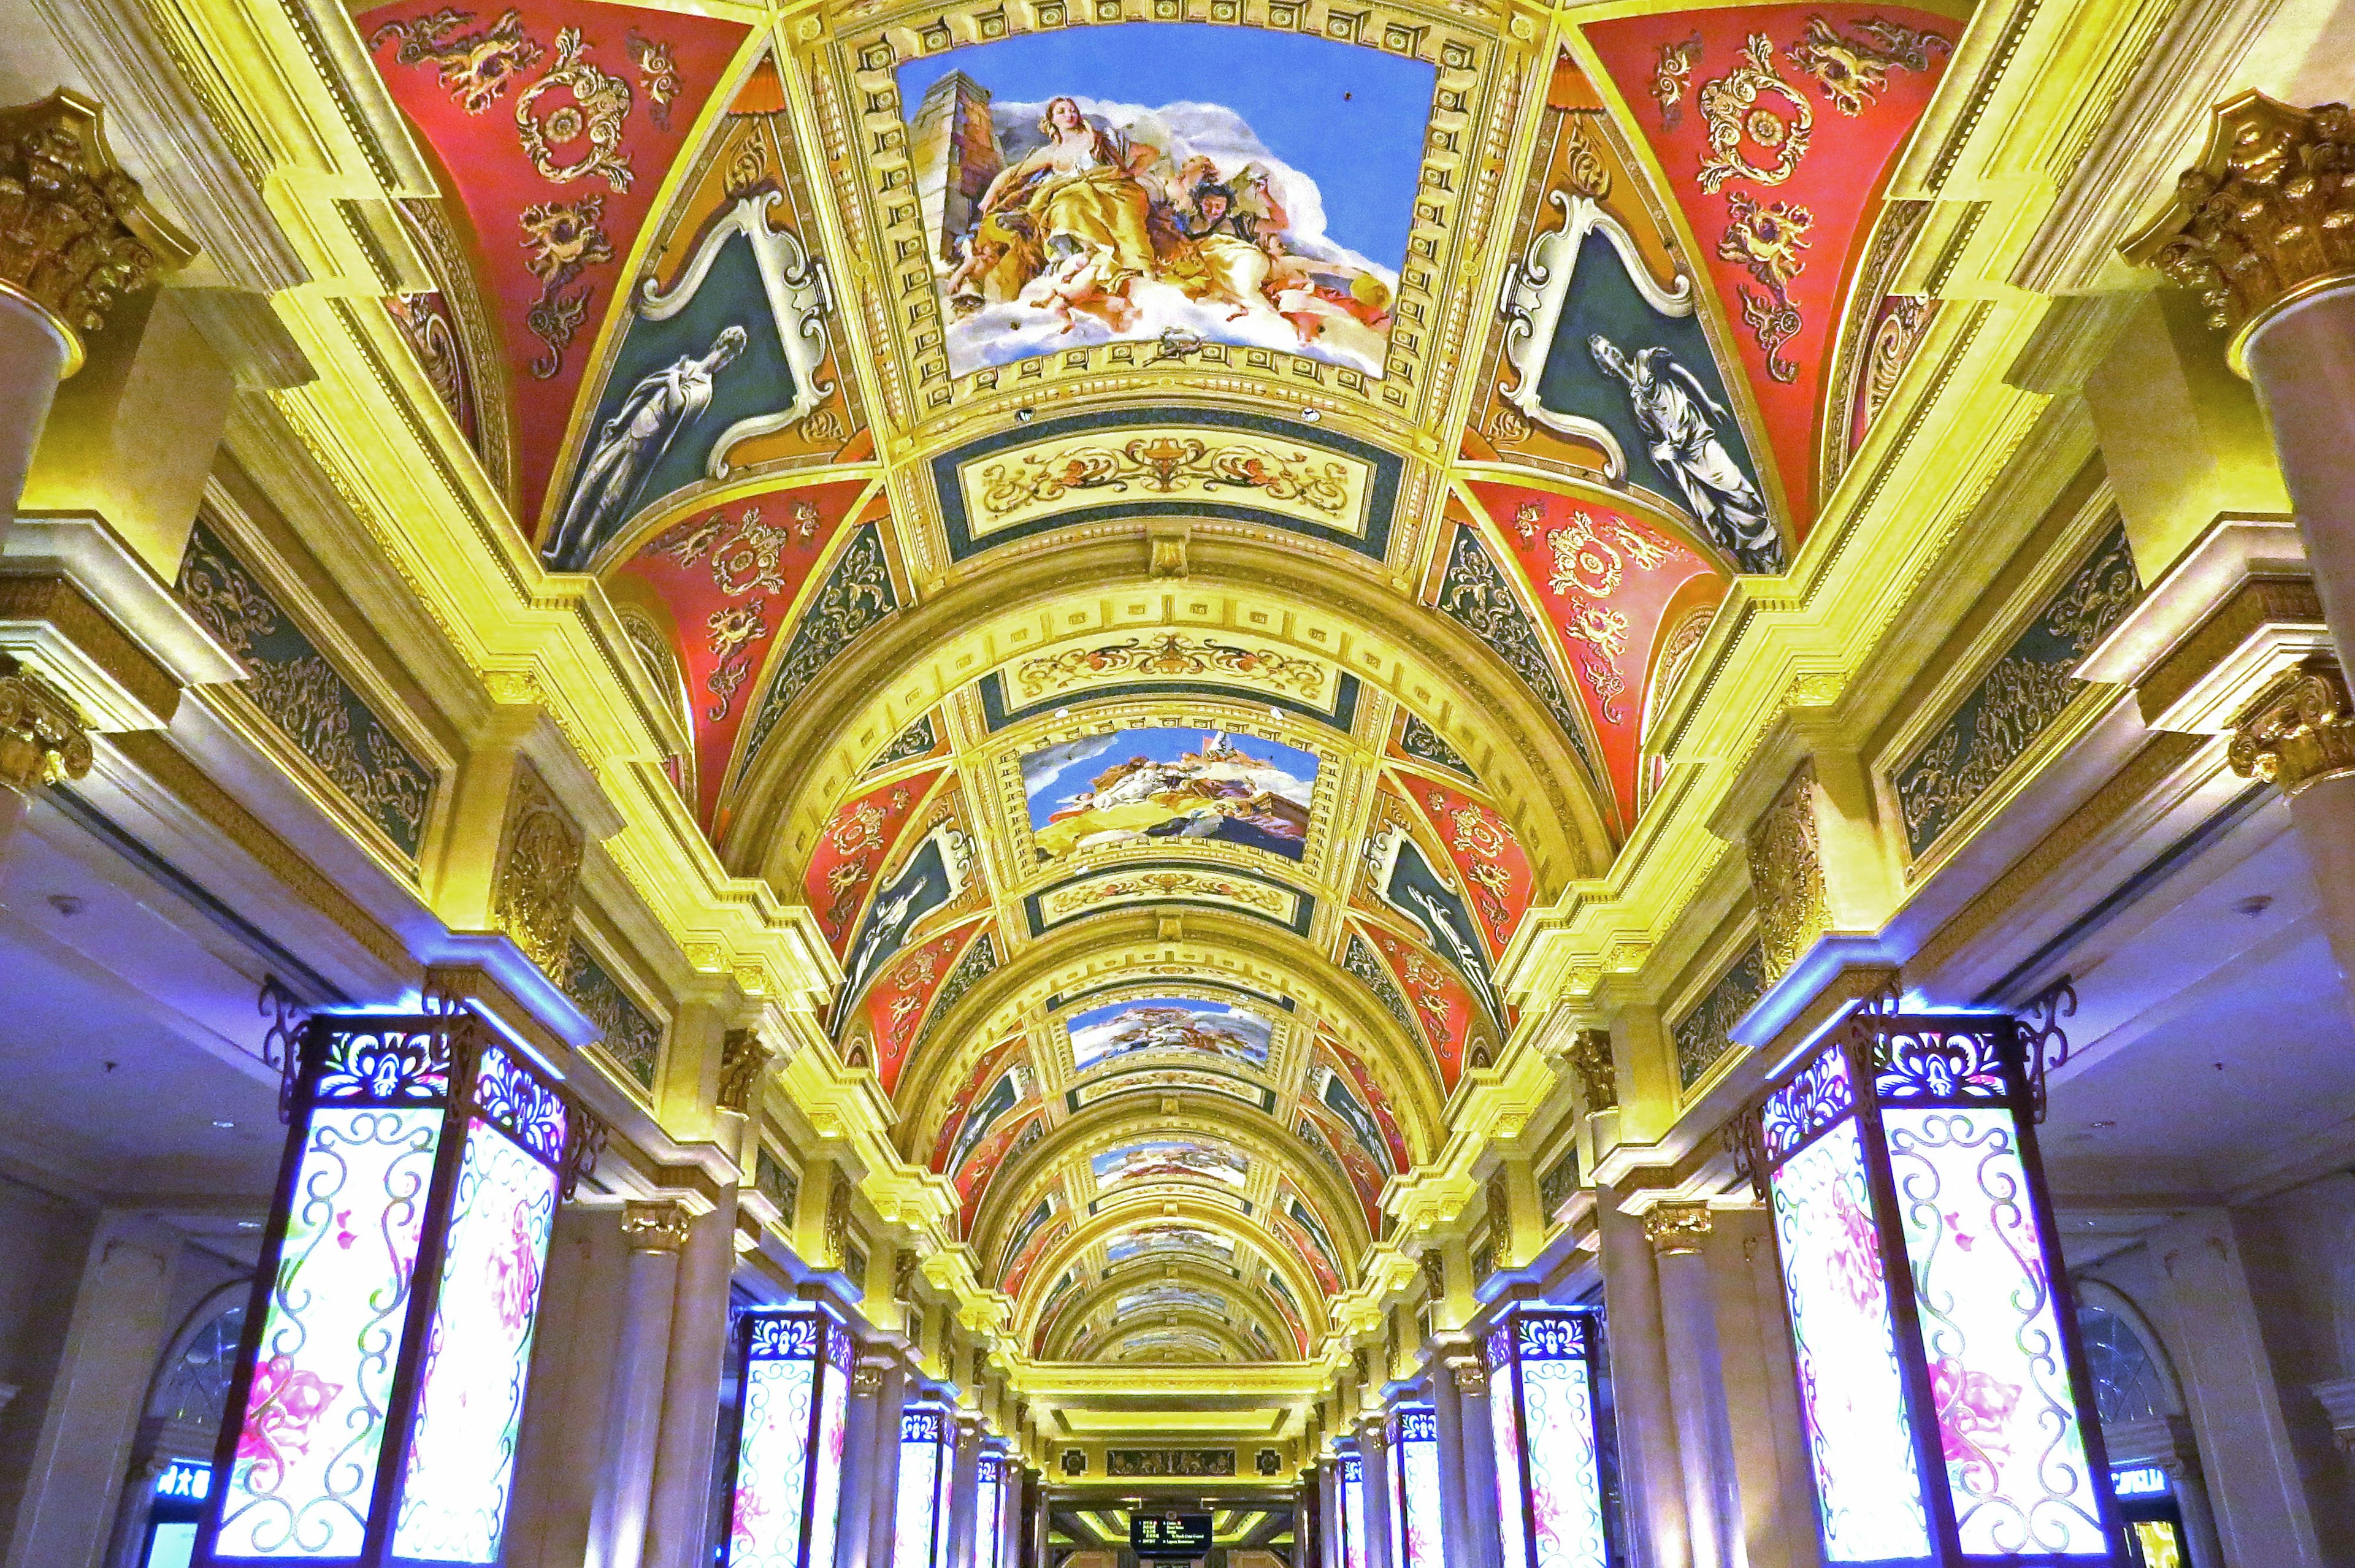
(1367, 532)
(1340, 713)
(632, 1037)
(1163, 884)
(1704, 1035)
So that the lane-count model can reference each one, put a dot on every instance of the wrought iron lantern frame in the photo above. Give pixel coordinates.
(481, 1086)
(1881, 1060)
(1553, 1333)
(805, 1332)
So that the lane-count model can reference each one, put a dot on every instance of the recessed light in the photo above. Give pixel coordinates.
(1312, 415)
(249, 1224)
(1024, 416)
(1276, 714)
(223, 1125)
(2097, 1126)
(1063, 713)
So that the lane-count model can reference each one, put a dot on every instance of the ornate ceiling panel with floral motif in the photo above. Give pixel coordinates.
(1168, 530)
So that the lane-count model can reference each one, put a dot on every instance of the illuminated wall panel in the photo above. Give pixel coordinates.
(785, 1492)
(918, 1516)
(1548, 1456)
(1941, 1399)
(1353, 1511)
(987, 1526)
(420, 1151)
(1415, 1437)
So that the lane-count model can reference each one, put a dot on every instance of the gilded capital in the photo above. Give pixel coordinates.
(1676, 1227)
(76, 234)
(2266, 218)
(1589, 1056)
(742, 1058)
(2297, 733)
(655, 1225)
(42, 738)
(1470, 1372)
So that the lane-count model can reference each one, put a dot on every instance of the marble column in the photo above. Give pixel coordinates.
(965, 1470)
(1374, 1449)
(1459, 1547)
(560, 1447)
(1651, 1465)
(118, 1331)
(1468, 1374)
(1696, 1383)
(2272, 259)
(688, 1450)
(858, 1501)
(655, 1230)
(2210, 1319)
(1774, 1474)
(885, 1460)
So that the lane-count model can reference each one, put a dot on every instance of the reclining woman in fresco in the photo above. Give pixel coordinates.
(1082, 191)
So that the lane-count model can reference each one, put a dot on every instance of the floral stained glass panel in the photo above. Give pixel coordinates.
(1851, 1388)
(826, 1478)
(1418, 1459)
(2008, 1427)
(920, 1465)
(764, 1525)
(985, 1516)
(312, 1431)
(1565, 1469)
(1353, 1511)
(1505, 1428)
(454, 1504)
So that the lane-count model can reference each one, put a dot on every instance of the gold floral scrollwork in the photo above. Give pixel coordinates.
(41, 736)
(76, 235)
(1471, 1375)
(2266, 218)
(1676, 1227)
(475, 67)
(1170, 655)
(837, 1223)
(1786, 874)
(596, 108)
(1735, 116)
(742, 1059)
(1672, 78)
(1851, 71)
(1766, 240)
(2297, 733)
(540, 872)
(1584, 169)
(1168, 465)
(565, 238)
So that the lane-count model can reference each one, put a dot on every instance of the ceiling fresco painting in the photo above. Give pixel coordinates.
(1775, 127)
(1170, 538)
(1152, 182)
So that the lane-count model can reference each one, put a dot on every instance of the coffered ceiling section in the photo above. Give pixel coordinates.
(1167, 524)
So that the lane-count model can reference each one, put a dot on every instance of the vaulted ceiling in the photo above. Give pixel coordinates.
(1116, 559)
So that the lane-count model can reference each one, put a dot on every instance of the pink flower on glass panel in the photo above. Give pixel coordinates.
(515, 1274)
(280, 1411)
(1973, 1409)
(1856, 1256)
(746, 1517)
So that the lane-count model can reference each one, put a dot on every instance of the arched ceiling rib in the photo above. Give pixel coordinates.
(1169, 538)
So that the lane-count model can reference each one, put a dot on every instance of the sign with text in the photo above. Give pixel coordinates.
(1169, 1534)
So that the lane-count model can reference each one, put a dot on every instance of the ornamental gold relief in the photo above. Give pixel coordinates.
(42, 738)
(539, 872)
(1786, 873)
(2298, 733)
(1177, 464)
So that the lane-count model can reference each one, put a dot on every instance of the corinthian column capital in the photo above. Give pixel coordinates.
(42, 738)
(76, 233)
(2265, 218)
(2299, 733)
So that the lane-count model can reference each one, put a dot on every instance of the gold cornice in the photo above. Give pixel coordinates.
(54, 599)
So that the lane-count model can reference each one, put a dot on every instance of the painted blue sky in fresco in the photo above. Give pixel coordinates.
(1350, 118)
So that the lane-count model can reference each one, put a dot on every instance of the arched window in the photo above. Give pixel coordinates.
(192, 1386)
(2129, 1383)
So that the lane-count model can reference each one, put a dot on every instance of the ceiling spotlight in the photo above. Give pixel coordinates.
(249, 1224)
(222, 1125)
(1024, 416)
(1063, 713)
(1276, 714)
(1312, 415)
(2097, 1126)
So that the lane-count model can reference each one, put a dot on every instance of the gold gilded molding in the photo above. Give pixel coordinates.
(1471, 1374)
(76, 233)
(2298, 733)
(1676, 1227)
(1786, 873)
(1181, 463)
(655, 1225)
(742, 1059)
(57, 600)
(2265, 218)
(42, 738)
(1171, 656)
(838, 1221)
(539, 872)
